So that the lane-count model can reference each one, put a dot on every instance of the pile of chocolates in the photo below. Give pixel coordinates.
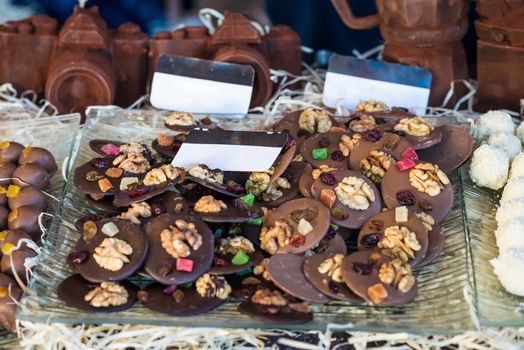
(24, 175)
(347, 212)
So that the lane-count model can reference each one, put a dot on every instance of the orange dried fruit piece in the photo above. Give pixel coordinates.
(13, 191)
(377, 293)
(12, 215)
(26, 151)
(4, 292)
(3, 234)
(3, 190)
(104, 185)
(114, 173)
(7, 248)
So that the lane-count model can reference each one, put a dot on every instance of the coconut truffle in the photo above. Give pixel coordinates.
(489, 167)
(507, 143)
(514, 189)
(510, 210)
(511, 234)
(517, 166)
(493, 122)
(508, 267)
(520, 131)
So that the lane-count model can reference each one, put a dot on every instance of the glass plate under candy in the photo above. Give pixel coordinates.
(440, 306)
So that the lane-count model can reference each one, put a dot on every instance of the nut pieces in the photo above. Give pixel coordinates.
(136, 211)
(179, 118)
(371, 106)
(314, 120)
(201, 171)
(398, 274)
(427, 220)
(107, 294)
(399, 242)
(208, 204)
(347, 144)
(375, 165)
(112, 254)
(178, 239)
(362, 124)
(259, 185)
(355, 193)
(275, 237)
(161, 175)
(132, 158)
(213, 286)
(265, 296)
(233, 245)
(428, 178)
(332, 267)
(416, 126)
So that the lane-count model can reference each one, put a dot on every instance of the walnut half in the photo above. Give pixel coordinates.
(274, 237)
(213, 286)
(314, 120)
(112, 254)
(208, 204)
(178, 239)
(107, 294)
(398, 274)
(355, 193)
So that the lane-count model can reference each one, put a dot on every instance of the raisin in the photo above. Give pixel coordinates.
(139, 191)
(157, 209)
(100, 163)
(331, 232)
(333, 287)
(406, 198)
(235, 188)
(328, 178)
(337, 156)
(219, 262)
(370, 240)
(424, 205)
(298, 241)
(363, 269)
(372, 135)
(324, 142)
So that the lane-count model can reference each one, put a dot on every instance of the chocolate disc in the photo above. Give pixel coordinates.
(285, 316)
(359, 282)
(6, 173)
(73, 289)
(395, 180)
(26, 219)
(128, 232)
(251, 232)
(343, 215)
(168, 151)
(324, 283)
(236, 211)
(4, 213)
(283, 161)
(31, 175)
(7, 305)
(162, 266)
(29, 195)
(306, 181)
(10, 151)
(335, 245)
(416, 142)
(14, 262)
(104, 204)
(329, 140)
(90, 217)
(436, 238)
(286, 272)
(190, 305)
(169, 202)
(320, 223)
(126, 198)
(390, 143)
(98, 147)
(373, 231)
(38, 156)
(254, 259)
(292, 174)
(456, 147)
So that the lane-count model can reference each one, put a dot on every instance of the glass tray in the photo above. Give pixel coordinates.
(440, 306)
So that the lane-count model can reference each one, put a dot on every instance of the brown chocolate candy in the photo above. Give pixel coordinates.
(4, 213)
(6, 172)
(26, 219)
(29, 195)
(436, 238)
(276, 315)
(31, 175)
(98, 146)
(286, 272)
(39, 156)
(14, 262)
(341, 214)
(10, 151)
(329, 140)
(13, 237)
(236, 211)
(7, 305)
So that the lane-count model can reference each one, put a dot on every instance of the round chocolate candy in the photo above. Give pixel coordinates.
(331, 155)
(360, 271)
(330, 188)
(13, 237)
(274, 315)
(436, 238)
(73, 290)
(83, 260)
(159, 298)
(6, 173)
(324, 283)
(10, 151)
(456, 148)
(165, 268)
(236, 211)
(226, 264)
(38, 156)
(398, 190)
(26, 219)
(313, 211)
(372, 233)
(28, 195)
(90, 178)
(306, 181)
(106, 148)
(31, 175)
(13, 262)
(416, 142)
(285, 270)
(4, 214)
(9, 290)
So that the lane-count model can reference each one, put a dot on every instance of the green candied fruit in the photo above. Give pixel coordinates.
(244, 272)
(249, 199)
(320, 153)
(257, 222)
(240, 258)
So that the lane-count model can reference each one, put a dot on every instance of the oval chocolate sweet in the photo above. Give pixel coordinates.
(10, 151)
(236, 211)
(29, 195)
(398, 189)
(106, 148)
(416, 142)
(7, 306)
(39, 156)
(104, 204)
(26, 219)
(74, 289)
(90, 178)
(162, 266)
(268, 314)
(332, 155)
(324, 283)
(13, 237)
(111, 235)
(436, 238)
(31, 175)
(4, 214)
(346, 185)
(373, 233)
(13, 263)
(225, 265)
(6, 173)
(285, 270)
(306, 181)
(360, 271)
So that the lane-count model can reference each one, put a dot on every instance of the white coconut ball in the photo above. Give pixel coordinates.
(507, 143)
(489, 167)
(520, 132)
(517, 166)
(493, 122)
(514, 189)
(511, 234)
(510, 210)
(508, 267)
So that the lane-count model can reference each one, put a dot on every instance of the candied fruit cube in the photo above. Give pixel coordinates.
(249, 199)
(4, 292)
(405, 164)
(257, 222)
(7, 248)
(240, 258)
(320, 153)
(110, 149)
(410, 154)
(184, 265)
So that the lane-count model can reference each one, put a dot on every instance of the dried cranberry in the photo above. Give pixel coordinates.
(170, 289)
(78, 258)
(219, 262)
(303, 132)
(363, 269)
(328, 178)
(245, 293)
(236, 188)
(139, 191)
(331, 232)
(333, 287)
(100, 163)
(337, 156)
(175, 146)
(370, 240)
(95, 217)
(324, 142)
(298, 241)
(372, 135)
(406, 197)
(158, 209)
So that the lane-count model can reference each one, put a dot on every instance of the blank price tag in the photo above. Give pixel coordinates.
(350, 80)
(194, 85)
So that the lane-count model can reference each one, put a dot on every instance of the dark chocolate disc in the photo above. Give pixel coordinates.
(329, 140)
(92, 187)
(162, 266)
(98, 146)
(220, 188)
(436, 238)
(10, 151)
(320, 223)
(128, 232)
(168, 151)
(4, 213)
(154, 298)
(456, 147)
(229, 268)
(39, 156)
(343, 215)
(306, 181)
(31, 175)
(26, 219)
(373, 230)
(104, 204)
(251, 232)
(395, 180)
(359, 281)
(14, 262)
(29, 195)
(7, 305)
(73, 289)
(390, 143)
(285, 270)
(236, 211)
(90, 217)
(324, 283)
(126, 198)
(292, 174)
(13, 237)
(284, 316)
(6, 173)
(333, 245)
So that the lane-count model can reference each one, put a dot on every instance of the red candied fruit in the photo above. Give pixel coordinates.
(110, 150)
(405, 164)
(298, 241)
(406, 197)
(337, 156)
(184, 265)
(328, 178)
(139, 191)
(219, 261)
(410, 153)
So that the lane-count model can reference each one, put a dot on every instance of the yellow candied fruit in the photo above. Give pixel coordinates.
(2, 164)
(3, 190)
(26, 151)
(6, 249)
(4, 292)
(5, 144)
(12, 215)
(3, 234)
(13, 191)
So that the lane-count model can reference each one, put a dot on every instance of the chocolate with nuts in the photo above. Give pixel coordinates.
(334, 142)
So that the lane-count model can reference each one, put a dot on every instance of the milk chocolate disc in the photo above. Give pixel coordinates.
(217, 269)
(416, 142)
(38, 156)
(126, 198)
(73, 289)
(306, 181)
(286, 211)
(10, 151)
(286, 272)
(154, 298)
(284, 159)
(162, 266)
(7, 305)
(343, 215)
(90, 217)
(456, 148)
(26, 219)
(285, 315)
(373, 230)
(292, 174)
(324, 283)
(395, 180)
(98, 166)
(329, 140)
(104, 204)
(389, 143)
(14, 262)
(98, 146)
(359, 282)
(31, 175)
(4, 213)
(128, 232)
(236, 211)
(436, 238)
(29, 195)
(332, 245)
(6, 172)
